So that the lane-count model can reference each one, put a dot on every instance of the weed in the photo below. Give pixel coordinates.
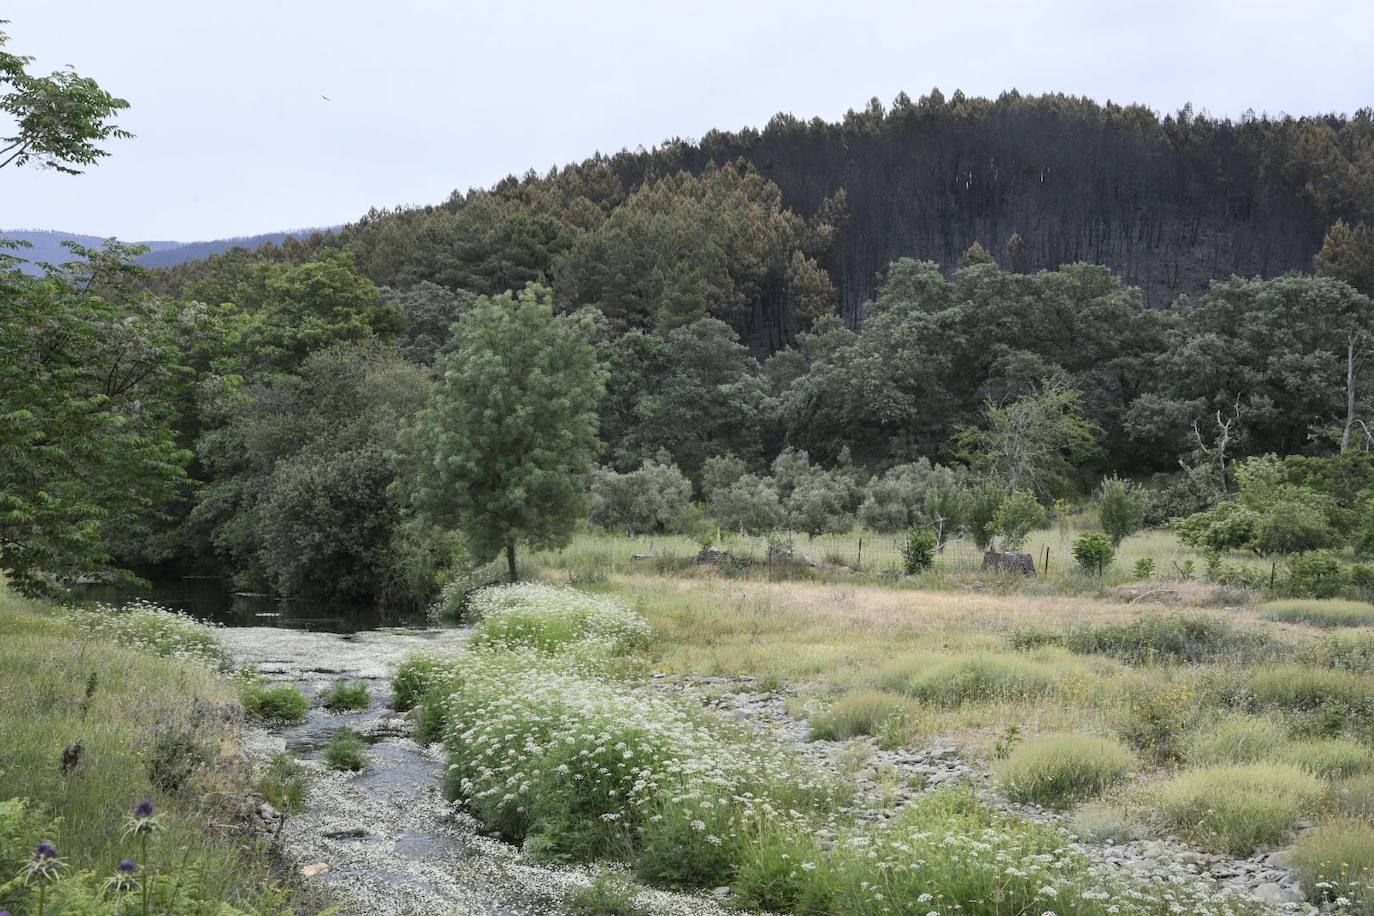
(282, 703)
(1235, 809)
(283, 782)
(344, 696)
(1336, 860)
(893, 718)
(346, 751)
(1061, 769)
(606, 896)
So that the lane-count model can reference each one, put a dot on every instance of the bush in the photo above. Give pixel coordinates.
(983, 504)
(605, 896)
(1058, 770)
(1329, 758)
(1343, 651)
(547, 618)
(1105, 825)
(283, 782)
(1122, 508)
(650, 499)
(1237, 739)
(950, 853)
(1154, 638)
(1320, 613)
(283, 703)
(750, 504)
(412, 680)
(1158, 717)
(1093, 552)
(344, 696)
(1017, 516)
(1236, 809)
(952, 680)
(1337, 860)
(1302, 688)
(918, 552)
(1313, 575)
(153, 628)
(1144, 568)
(346, 751)
(892, 718)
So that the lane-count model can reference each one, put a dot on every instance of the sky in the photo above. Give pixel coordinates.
(262, 115)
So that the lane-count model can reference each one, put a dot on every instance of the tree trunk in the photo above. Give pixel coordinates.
(1349, 393)
(510, 560)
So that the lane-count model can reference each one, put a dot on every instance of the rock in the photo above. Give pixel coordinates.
(720, 891)
(267, 812)
(1275, 894)
(996, 561)
(348, 833)
(712, 556)
(311, 871)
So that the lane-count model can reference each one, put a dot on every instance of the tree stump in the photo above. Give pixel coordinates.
(995, 561)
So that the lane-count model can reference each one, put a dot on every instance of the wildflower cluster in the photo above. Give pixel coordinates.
(152, 628)
(953, 854)
(552, 619)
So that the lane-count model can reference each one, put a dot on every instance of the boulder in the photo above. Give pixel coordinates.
(995, 561)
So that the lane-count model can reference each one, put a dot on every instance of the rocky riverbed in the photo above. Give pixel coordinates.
(387, 842)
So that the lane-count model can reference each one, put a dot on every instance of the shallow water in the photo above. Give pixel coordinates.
(213, 600)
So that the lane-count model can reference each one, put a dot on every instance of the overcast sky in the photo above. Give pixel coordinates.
(424, 96)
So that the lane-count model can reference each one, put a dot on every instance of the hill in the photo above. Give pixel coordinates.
(47, 246)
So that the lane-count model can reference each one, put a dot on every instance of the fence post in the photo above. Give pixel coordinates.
(1273, 571)
(859, 563)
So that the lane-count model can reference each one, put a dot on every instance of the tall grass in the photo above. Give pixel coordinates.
(1058, 770)
(1320, 612)
(1236, 809)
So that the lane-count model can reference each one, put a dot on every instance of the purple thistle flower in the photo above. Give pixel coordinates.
(127, 866)
(46, 850)
(144, 809)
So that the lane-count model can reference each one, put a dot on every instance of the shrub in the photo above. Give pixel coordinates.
(585, 793)
(1062, 769)
(1304, 688)
(1354, 796)
(892, 718)
(1236, 809)
(1017, 516)
(1093, 552)
(952, 680)
(749, 504)
(984, 501)
(156, 629)
(1157, 719)
(606, 896)
(412, 680)
(1226, 526)
(649, 499)
(1329, 758)
(1105, 825)
(282, 703)
(283, 782)
(1144, 568)
(950, 853)
(547, 618)
(1320, 613)
(1237, 739)
(918, 552)
(1154, 638)
(1343, 651)
(346, 751)
(1122, 508)
(1313, 575)
(343, 696)
(1337, 860)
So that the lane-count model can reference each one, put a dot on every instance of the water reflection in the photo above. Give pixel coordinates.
(211, 599)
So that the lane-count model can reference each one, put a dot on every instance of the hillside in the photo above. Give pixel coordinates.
(47, 246)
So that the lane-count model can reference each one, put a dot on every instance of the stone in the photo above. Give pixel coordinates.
(996, 561)
(311, 871)
(1275, 894)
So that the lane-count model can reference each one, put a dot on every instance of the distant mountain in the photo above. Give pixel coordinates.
(47, 246)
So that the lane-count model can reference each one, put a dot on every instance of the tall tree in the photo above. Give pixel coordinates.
(503, 449)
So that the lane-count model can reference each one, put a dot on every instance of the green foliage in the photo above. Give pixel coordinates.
(814, 500)
(1320, 613)
(1235, 739)
(1345, 651)
(1017, 516)
(951, 681)
(1121, 508)
(918, 551)
(1155, 638)
(1235, 809)
(606, 896)
(413, 679)
(546, 618)
(346, 751)
(282, 703)
(1329, 758)
(1062, 769)
(651, 499)
(59, 120)
(151, 628)
(892, 718)
(503, 447)
(1093, 552)
(346, 696)
(429, 311)
(88, 388)
(984, 504)
(1144, 568)
(748, 504)
(283, 782)
(1335, 860)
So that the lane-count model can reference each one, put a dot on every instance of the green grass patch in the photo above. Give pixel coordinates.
(1059, 770)
(895, 720)
(346, 750)
(954, 680)
(1329, 758)
(346, 696)
(1234, 739)
(546, 618)
(152, 628)
(606, 896)
(1352, 652)
(282, 703)
(1303, 688)
(1337, 860)
(1236, 809)
(1156, 639)
(283, 782)
(1319, 612)
(1354, 796)
(89, 727)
